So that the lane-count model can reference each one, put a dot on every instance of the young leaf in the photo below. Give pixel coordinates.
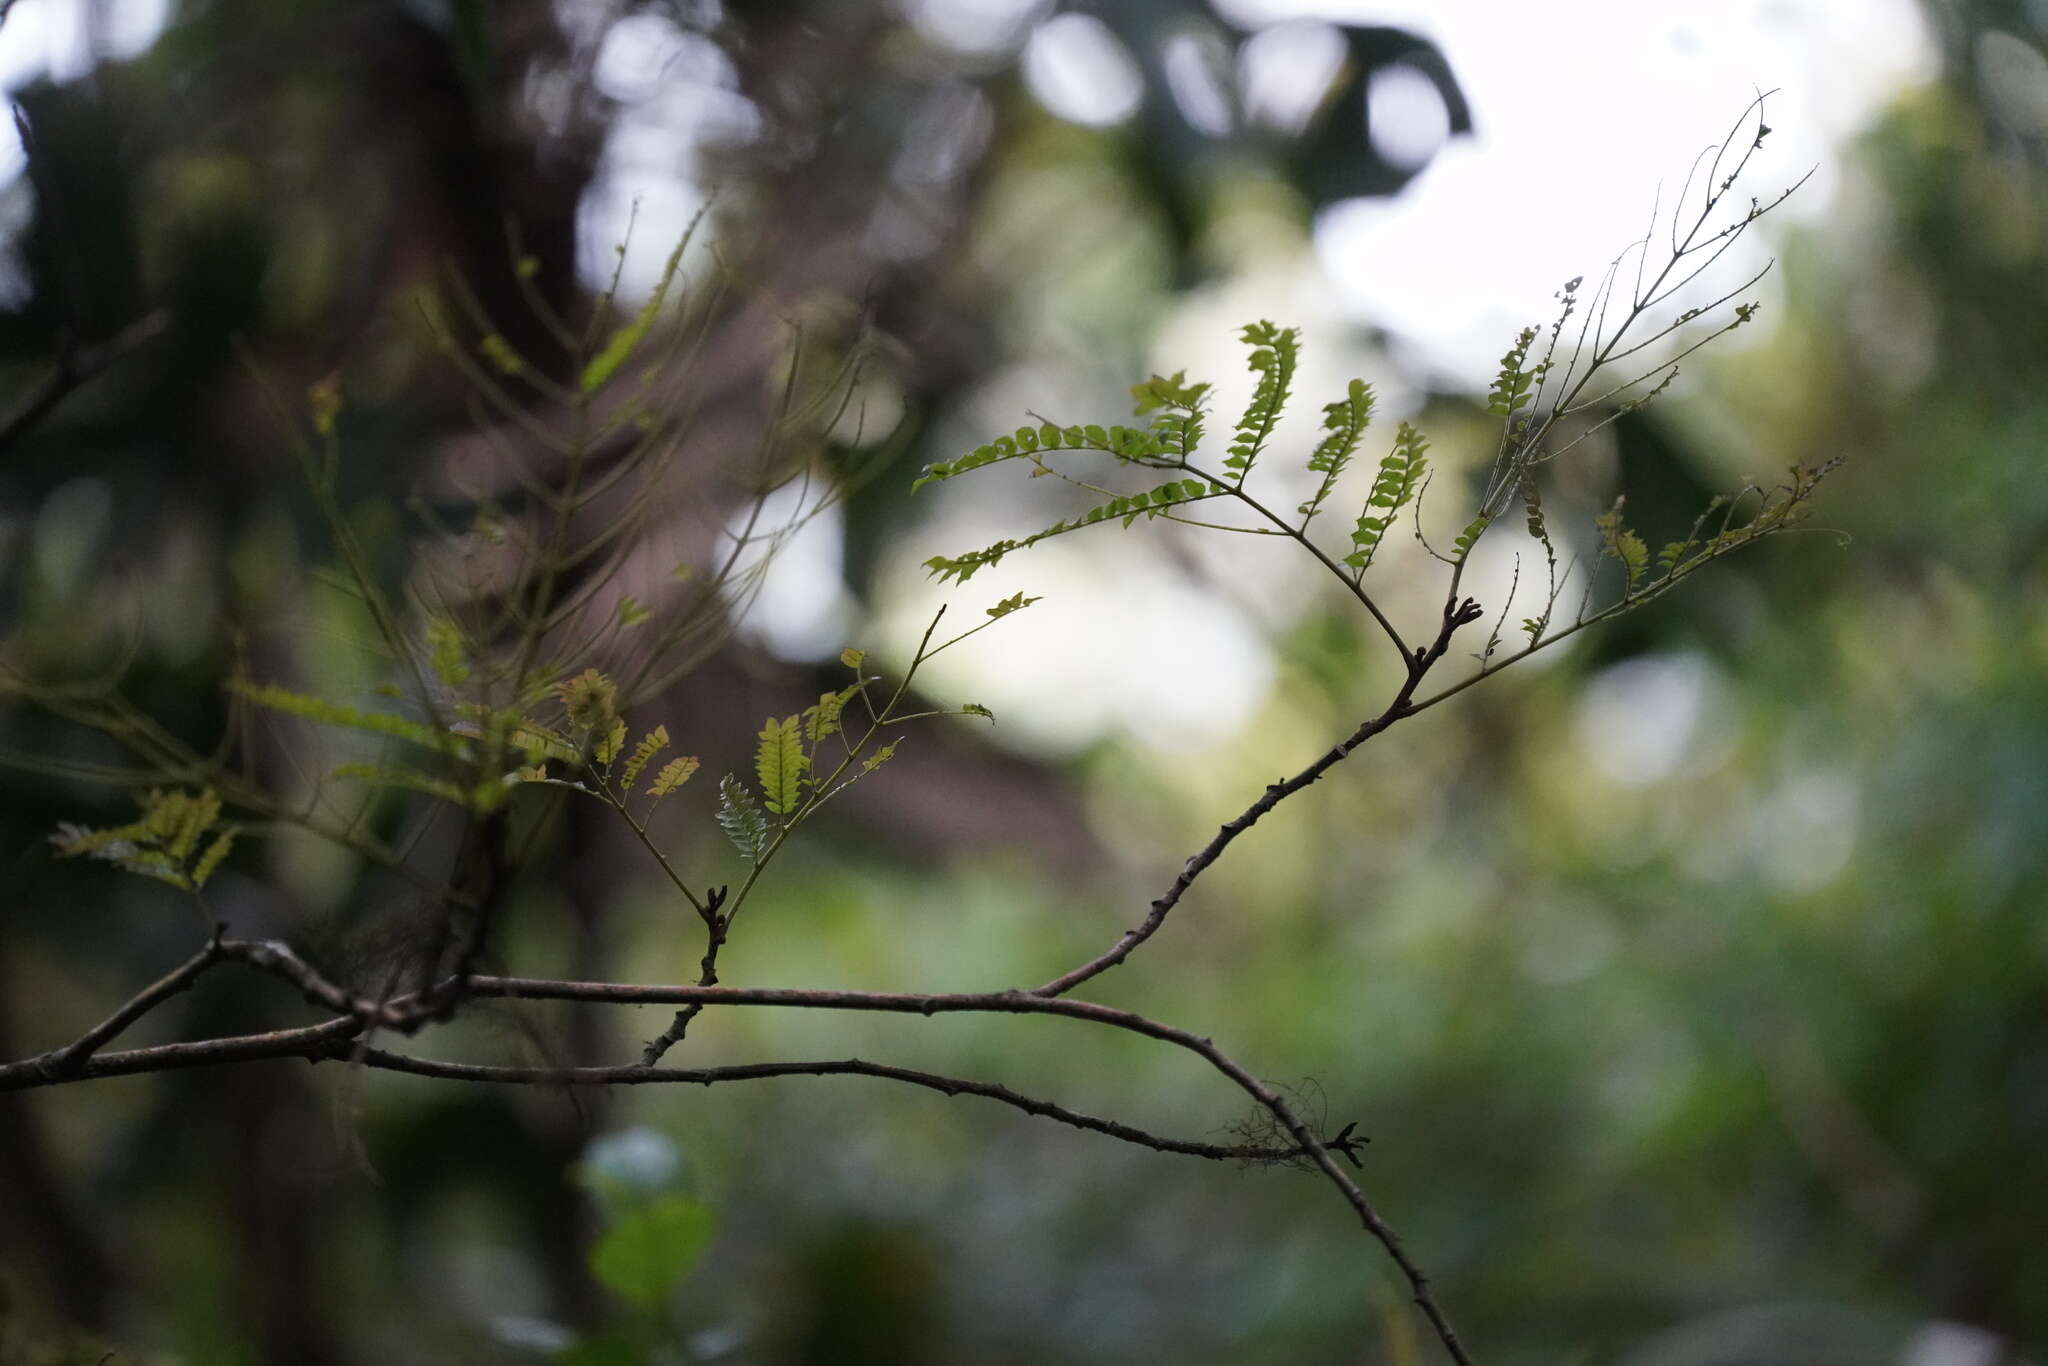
(1469, 537)
(741, 819)
(1016, 602)
(1344, 426)
(216, 853)
(1514, 386)
(446, 651)
(627, 339)
(881, 756)
(590, 699)
(334, 714)
(631, 613)
(614, 740)
(411, 779)
(673, 775)
(1618, 541)
(852, 658)
(1399, 477)
(1002, 448)
(1126, 508)
(781, 764)
(1275, 353)
(651, 744)
(822, 719)
(160, 843)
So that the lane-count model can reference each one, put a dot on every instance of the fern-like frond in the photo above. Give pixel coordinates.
(1131, 444)
(1516, 383)
(822, 719)
(1180, 405)
(651, 744)
(1344, 425)
(781, 765)
(1469, 537)
(1276, 354)
(1619, 543)
(1393, 488)
(741, 819)
(673, 775)
(160, 844)
(1125, 508)
(607, 749)
(327, 713)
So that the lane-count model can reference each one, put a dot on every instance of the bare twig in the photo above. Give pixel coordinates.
(70, 1060)
(1419, 665)
(76, 365)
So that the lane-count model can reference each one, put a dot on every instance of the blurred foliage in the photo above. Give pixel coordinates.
(1693, 990)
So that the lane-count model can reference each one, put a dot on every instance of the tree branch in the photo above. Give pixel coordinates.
(76, 366)
(1419, 664)
(637, 1075)
(70, 1060)
(312, 1042)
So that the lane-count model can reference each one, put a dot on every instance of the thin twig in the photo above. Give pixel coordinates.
(1418, 666)
(76, 365)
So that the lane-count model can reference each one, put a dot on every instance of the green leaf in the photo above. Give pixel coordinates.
(1532, 504)
(741, 818)
(411, 779)
(631, 613)
(1125, 507)
(1393, 488)
(1016, 602)
(673, 775)
(1469, 537)
(1003, 449)
(499, 353)
(627, 339)
(447, 652)
(334, 714)
(1344, 426)
(852, 658)
(1178, 428)
(881, 756)
(781, 765)
(1618, 542)
(1514, 386)
(822, 719)
(1276, 352)
(161, 843)
(651, 744)
(645, 1254)
(608, 748)
(976, 709)
(590, 699)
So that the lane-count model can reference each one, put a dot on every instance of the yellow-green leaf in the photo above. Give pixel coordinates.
(651, 744)
(780, 763)
(614, 740)
(216, 853)
(673, 775)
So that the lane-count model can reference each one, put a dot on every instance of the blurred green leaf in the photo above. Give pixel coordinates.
(646, 1254)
